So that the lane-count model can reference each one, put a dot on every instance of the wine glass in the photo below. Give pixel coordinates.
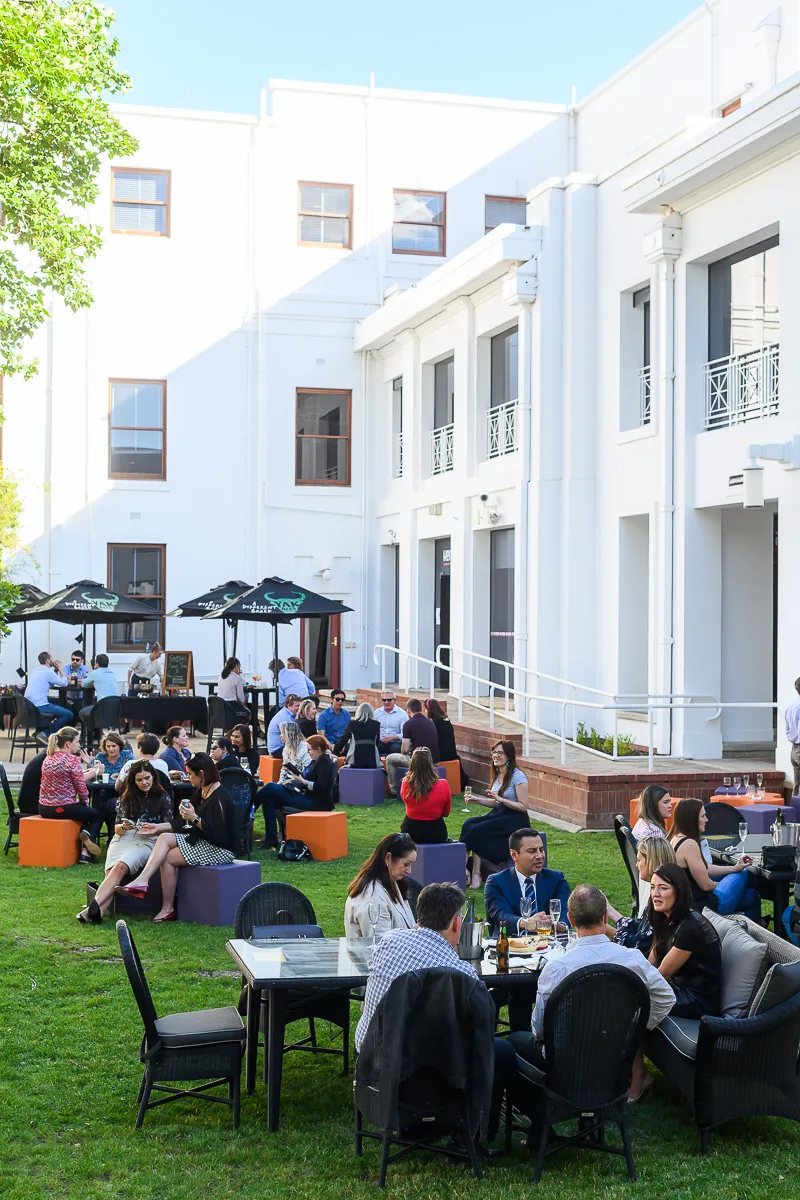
(759, 780)
(373, 913)
(743, 831)
(572, 939)
(256, 678)
(526, 909)
(737, 782)
(555, 913)
(467, 798)
(726, 782)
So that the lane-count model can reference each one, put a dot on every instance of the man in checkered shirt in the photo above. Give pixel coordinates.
(432, 944)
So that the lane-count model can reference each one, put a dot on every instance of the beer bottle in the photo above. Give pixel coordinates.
(502, 950)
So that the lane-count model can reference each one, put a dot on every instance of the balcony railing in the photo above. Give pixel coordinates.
(501, 429)
(644, 395)
(742, 387)
(441, 449)
(397, 456)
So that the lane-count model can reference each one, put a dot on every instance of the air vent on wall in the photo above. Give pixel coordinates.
(136, 516)
(735, 480)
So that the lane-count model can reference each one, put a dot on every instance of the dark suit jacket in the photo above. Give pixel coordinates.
(503, 896)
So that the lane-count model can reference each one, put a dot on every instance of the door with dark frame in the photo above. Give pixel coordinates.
(320, 639)
(442, 605)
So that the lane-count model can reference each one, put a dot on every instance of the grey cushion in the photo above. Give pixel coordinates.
(682, 1033)
(742, 971)
(781, 982)
(721, 924)
(201, 1028)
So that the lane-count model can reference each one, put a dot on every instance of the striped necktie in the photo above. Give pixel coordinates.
(530, 891)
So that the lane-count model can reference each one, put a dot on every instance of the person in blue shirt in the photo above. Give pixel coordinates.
(334, 720)
(104, 682)
(287, 713)
(292, 681)
(42, 678)
(75, 673)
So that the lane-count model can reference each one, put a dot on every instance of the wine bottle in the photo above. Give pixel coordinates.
(502, 950)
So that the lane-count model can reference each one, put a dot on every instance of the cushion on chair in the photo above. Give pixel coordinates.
(781, 982)
(742, 971)
(528, 1071)
(195, 1028)
(682, 1033)
(721, 924)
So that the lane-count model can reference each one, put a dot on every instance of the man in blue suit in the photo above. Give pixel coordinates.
(503, 894)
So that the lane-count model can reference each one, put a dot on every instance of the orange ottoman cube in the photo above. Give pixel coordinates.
(325, 833)
(452, 773)
(269, 768)
(48, 842)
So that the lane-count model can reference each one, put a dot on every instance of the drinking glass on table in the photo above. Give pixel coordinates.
(726, 781)
(544, 926)
(759, 779)
(467, 798)
(737, 782)
(743, 831)
(572, 939)
(526, 910)
(555, 914)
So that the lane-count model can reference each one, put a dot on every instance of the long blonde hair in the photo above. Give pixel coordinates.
(656, 852)
(57, 741)
(293, 741)
(422, 774)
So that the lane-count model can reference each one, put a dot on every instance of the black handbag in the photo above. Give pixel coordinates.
(293, 850)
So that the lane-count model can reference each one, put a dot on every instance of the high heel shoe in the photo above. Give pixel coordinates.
(170, 916)
(138, 890)
(94, 913)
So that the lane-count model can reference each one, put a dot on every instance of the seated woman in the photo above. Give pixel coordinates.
(652, 813)
(427, 799)
(144, 804)
(312, 790)
(222, 754)
(177, 752)
(377, 897)
(637, 932)
(685, 947)
(231, 689)
(446, 737)
(295, 760)
(724, 889)
(360, 742)
(307, 717)
(113, 754)
(242, 739)
(148, 746)
(211, 841)
(487, 836)
(63, 794)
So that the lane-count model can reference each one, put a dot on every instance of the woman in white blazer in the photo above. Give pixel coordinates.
(377, 895)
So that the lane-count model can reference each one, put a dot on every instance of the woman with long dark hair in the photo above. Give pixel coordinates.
(144, 802)
(653, 810)
(380, 890)
(686, 948)
(487, 836)
(724, 889)
(231, 688)
(637, 932)
(211, 840)
(427, 799)
(242, 741)
(446, 737)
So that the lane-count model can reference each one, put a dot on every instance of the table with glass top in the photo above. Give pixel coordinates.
(317, 964)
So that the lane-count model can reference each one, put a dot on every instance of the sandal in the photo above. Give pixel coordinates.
(646, 1089)
(138, 891)
(170, 916)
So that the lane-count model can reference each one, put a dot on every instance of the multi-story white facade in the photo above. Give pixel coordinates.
(527, 442)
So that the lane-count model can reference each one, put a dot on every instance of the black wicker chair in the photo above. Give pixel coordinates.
(208, 1044)
(104, 715)
(222, 716)
(28, 721)
(280, 904)
(14, 815)
(594, 1022)
(242, 788)
(627, 845)
(723, 820)
(728, 1067)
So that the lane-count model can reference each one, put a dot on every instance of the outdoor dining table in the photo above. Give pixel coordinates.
(159, 712)
(259, 693)
(311, 964)
(772, 883)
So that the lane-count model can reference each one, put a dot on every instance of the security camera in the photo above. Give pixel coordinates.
(484, 497)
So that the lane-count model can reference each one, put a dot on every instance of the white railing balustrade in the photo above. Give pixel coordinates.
(501, 429)
(441, 449)
(742, 387)
(644, 395)
(397, 456)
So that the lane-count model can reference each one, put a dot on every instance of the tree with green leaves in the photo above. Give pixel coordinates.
(57, 65)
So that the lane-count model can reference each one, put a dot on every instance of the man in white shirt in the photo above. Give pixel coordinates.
(391, 720)
(148, 746)
(145, 668)
(48, 674)
(792, 719)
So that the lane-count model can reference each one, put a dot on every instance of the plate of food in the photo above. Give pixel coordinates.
(519, 946)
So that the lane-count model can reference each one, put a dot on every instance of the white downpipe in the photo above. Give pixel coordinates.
(363, 590)
(525, 418)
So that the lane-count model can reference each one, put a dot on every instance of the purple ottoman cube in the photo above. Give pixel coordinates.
(445, 862)
(209, 895)
(130, 906)
(363, 786)
(759, 817)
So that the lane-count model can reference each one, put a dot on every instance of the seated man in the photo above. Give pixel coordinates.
(588, 912)
(29, 788)
(287, 713)
(48, 674)
(292, 680)
(391, 720)
(104, 681)
(527, 877)
(334, 720)
(417, 731)
(432, 944)
(75, 673)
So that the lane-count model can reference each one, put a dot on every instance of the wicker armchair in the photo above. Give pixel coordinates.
(14, 815)
(206, 1045)
(627, 846)
(728, 1067)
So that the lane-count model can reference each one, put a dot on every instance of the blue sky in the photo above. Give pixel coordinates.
(211, 55)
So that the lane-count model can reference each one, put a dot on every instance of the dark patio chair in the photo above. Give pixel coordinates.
(242, 788)
(281, 905)
(31, 722)
(208, 1044)
(104, 715)
(222, 716)
(594, 1022)
(14, 815)
(627, 845)
(723, 820)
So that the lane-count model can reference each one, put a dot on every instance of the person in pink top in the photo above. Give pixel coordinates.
(63, 794)
(652, 813)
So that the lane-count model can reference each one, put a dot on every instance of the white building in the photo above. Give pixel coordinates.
(528, 442)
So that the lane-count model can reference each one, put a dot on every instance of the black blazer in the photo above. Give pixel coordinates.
(322, 773)
(447, 740)
(218, 814)
(367, 735)
(250, 757)
(306, 726)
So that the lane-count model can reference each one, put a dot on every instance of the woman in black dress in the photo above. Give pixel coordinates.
(686, 946)
(487, 837)
(360, 741)
(243, 748)
(446, 737)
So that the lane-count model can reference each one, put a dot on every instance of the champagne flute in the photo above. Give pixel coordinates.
(467, 798)
(737, 782)
(526, 910)
(726, 782)
(373, 913)
(555, 914)
(759, 779)
(743, 830)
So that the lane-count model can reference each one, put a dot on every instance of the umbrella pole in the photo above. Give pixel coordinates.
(224, 644)
(25, 643)
(94, 643)
(275, 655)
(235, 636)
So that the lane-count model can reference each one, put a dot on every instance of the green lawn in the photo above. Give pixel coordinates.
(70, 1071)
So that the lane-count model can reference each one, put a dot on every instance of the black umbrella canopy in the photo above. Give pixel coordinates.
(209, 601)
(279, 601)
(84, 603)
(30, 593)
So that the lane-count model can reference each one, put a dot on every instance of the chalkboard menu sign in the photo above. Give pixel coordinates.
(178, 671)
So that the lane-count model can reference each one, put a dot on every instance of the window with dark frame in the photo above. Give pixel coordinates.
(137, 429)
(140, 201)
(418, 222)
(504, 210)
(137, 571)
(504, 373)
(325, 215)
(322, 453)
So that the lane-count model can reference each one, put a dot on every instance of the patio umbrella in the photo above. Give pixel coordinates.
(209, 601)
(85, 603)
(29, 592)
(278, 601)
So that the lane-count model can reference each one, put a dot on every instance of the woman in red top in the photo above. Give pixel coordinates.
(64, 795)
(427, 799)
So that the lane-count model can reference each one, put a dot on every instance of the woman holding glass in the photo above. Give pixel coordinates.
(487, 836)
(721, 888)
(377, 899)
